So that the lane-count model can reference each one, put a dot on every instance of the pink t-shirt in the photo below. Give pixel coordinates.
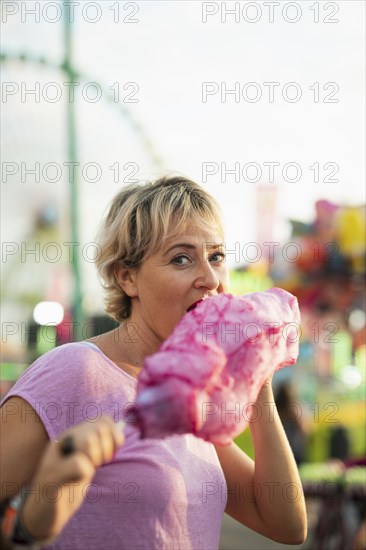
(156, 494)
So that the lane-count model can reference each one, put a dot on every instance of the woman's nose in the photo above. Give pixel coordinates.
(207, 276)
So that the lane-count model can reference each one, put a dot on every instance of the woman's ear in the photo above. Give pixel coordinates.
(126, 278)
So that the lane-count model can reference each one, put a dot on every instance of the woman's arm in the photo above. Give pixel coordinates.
(266, 494)
(23, 439)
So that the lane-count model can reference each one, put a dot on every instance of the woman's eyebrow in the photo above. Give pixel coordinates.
(209, 246)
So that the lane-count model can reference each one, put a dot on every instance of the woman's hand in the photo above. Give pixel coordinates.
(61, 478)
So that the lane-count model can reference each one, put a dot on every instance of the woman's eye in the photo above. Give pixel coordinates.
(218, 257)
(179, 260)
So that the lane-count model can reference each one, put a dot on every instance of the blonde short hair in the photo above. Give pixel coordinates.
(140, 218)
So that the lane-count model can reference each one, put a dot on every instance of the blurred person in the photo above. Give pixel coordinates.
(161, 250)
(38, 513)
(290, 413)
(339, 443)
(342, 512)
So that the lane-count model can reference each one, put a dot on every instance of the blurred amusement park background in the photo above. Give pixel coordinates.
(64, 160)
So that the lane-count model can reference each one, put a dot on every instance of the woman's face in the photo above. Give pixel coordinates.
(187, 268)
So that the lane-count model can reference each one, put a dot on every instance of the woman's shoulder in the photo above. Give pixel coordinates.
(73, 348)
(71, 368)
(70, 384)
(67, 357)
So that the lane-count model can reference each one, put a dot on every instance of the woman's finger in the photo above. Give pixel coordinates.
(98, 440)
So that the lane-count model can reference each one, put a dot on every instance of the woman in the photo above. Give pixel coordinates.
(161, 250)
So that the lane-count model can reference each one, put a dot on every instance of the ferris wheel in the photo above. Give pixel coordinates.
(41, 140)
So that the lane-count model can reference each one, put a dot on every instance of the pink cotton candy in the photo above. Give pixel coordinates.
(213, 365)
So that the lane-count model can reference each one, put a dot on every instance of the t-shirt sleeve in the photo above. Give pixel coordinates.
(62, 386)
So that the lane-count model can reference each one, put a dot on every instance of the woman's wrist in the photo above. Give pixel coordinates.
(29, 524)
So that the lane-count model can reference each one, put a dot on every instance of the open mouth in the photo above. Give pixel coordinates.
(193, 306)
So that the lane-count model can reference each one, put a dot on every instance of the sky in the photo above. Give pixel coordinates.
(274, 91)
